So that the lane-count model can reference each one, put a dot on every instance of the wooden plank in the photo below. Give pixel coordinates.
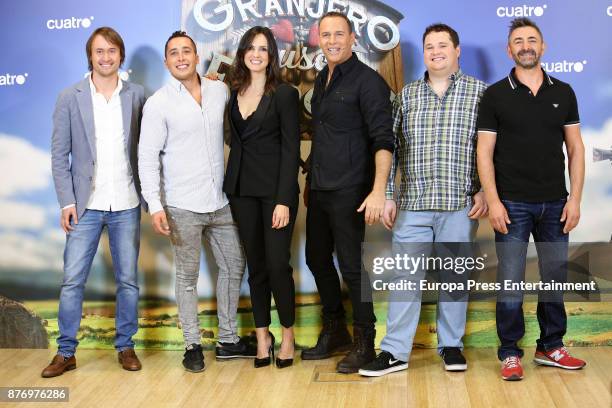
(99, 381)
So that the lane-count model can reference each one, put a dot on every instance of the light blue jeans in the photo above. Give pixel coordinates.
(81, 246)
(403, 317)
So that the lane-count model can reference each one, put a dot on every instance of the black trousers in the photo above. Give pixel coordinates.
(333, 221)
(267, 253)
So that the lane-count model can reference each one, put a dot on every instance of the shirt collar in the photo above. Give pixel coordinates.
(343, 68)
(456, 75)
(93, 90)
(515, 83)
(178, 85)
(348, 64)
(453, 77)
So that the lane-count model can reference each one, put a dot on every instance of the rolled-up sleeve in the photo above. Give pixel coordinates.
(398, 117)
(153, 135)
(375, 105)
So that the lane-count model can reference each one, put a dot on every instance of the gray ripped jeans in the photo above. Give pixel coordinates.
(219, 229)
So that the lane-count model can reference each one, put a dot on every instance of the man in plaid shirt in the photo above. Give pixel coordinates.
(438, 197)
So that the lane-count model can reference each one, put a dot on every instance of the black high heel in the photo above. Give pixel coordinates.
(263, 362)
(285, 362)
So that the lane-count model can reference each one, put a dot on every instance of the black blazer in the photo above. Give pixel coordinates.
(264, 161)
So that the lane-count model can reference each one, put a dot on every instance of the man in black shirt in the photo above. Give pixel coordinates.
(350, 161)
(524, 120)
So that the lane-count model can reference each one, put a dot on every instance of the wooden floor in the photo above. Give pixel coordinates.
(100, 382)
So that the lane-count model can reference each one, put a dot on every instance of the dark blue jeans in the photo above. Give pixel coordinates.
(542, 220)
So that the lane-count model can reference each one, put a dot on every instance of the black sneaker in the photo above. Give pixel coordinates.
(246, 347)
(453, 359)
(383, 364)
(193, 360)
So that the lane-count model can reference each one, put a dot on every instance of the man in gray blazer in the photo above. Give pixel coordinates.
(94, 148)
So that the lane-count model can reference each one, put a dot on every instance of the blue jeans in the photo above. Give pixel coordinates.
(542, 221)
(81, 246)
(427, 227)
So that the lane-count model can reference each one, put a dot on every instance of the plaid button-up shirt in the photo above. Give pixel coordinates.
(435, 145)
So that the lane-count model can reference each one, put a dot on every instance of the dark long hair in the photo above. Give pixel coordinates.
(240, 76)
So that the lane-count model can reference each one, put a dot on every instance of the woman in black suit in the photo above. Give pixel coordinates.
(261, 183)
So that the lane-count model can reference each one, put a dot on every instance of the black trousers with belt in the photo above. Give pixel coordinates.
(332, 222)
(267, 253)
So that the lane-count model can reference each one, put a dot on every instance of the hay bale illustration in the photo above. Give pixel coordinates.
(19, 327)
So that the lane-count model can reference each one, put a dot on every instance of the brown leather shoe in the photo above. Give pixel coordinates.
(129, 360)
(58, 365)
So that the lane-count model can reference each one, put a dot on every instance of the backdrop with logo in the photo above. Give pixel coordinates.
(44, 52)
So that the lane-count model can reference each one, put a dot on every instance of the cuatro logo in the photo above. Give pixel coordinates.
(564, 66)
(521, 11)
(13, 79)
(70, 23)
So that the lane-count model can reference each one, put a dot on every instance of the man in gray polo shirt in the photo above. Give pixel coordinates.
(181, 170)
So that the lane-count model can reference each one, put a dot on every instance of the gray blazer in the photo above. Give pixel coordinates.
(73, 144)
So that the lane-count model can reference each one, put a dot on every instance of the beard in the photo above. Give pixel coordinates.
(526, 64)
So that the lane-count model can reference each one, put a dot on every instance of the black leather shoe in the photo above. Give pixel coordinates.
(362, 352)
(263, 362)
(334, 338)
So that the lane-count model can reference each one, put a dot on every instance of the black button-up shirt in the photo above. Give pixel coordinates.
(352, 121)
